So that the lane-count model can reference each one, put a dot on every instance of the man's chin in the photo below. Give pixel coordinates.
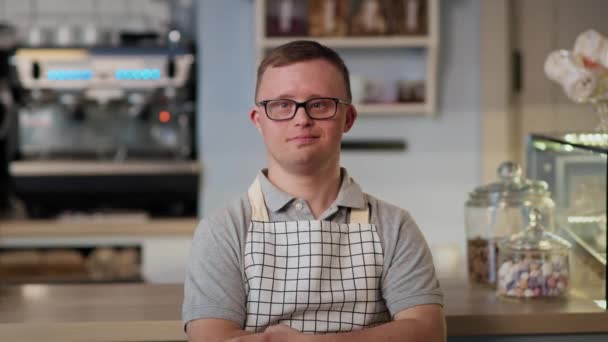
(306, 165)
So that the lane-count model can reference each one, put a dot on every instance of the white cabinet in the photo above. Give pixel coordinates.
(375, 48)
(162, 245)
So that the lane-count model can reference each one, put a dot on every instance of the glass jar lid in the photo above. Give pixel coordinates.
(534, 237)
(512, 189)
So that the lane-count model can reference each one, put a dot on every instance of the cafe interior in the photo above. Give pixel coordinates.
(123, 123)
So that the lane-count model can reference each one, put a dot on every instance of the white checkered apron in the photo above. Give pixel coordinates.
(315, 276)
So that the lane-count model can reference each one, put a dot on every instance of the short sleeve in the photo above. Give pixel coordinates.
(214, 284)
(410, 279)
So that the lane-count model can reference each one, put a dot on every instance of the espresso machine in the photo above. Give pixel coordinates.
(105, 129)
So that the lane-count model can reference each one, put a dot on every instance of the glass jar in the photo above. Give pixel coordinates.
(498, 210)
(533, 263)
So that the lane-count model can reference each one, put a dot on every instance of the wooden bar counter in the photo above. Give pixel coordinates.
(152, 312)
(145, 312)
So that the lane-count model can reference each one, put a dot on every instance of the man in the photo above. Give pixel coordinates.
(305, 250)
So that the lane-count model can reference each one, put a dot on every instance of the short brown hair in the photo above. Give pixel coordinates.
(299, 51)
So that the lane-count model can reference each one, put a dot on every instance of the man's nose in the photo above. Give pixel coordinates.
(301, 117)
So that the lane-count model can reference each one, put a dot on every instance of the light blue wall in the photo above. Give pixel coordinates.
(431, 179)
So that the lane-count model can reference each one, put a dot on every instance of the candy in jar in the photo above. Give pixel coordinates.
(533, 263)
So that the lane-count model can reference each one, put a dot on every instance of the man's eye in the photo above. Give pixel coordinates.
(319, 105)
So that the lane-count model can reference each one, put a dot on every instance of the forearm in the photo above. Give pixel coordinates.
(212, 330)
(401, 330)
(216, 336)
(407, 329)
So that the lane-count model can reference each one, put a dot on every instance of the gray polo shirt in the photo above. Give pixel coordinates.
(215, 278)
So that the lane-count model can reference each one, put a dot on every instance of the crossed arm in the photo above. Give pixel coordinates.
(418, 323)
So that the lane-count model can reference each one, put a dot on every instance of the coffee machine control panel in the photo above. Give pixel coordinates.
(102, 74)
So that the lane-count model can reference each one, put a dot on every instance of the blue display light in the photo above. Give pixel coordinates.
(137, 74)
(69, 75)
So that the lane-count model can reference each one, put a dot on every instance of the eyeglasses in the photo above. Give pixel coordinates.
(318, 108)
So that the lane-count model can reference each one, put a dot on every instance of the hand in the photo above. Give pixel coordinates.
(274, 333)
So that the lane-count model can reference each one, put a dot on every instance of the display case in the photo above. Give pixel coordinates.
(575, 167)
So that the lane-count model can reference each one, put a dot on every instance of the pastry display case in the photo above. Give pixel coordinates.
(574, 165)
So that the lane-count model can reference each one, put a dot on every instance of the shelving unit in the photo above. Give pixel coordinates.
(356, 42)
(429, 42)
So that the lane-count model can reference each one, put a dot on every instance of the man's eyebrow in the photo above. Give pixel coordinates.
(290, 96)
(284, 96)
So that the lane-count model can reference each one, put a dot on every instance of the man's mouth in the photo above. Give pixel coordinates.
(304, 138)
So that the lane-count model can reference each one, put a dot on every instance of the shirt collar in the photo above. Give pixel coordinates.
(350, 194)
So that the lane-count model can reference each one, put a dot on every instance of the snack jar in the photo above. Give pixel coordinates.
(533, 263)
(499, 210)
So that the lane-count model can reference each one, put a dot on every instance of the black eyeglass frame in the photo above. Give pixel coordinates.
(303, 105)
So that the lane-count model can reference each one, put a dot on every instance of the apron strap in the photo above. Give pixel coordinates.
(359, 216)
(256, 199)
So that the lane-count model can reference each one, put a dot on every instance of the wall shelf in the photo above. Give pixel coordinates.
(429, 43)
(356, 42)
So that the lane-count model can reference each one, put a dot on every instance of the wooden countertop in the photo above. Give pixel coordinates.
(124, 226)
(143, 312)
(476, 310)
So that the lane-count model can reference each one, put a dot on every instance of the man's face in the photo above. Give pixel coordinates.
(303, 144)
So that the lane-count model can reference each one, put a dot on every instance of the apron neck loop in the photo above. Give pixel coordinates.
(259, 212)
(360, 216)
(256, 199)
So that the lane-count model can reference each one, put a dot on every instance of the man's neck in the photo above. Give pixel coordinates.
(319, 189)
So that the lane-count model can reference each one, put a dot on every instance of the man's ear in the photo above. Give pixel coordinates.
(254, 116)
(351, 117)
